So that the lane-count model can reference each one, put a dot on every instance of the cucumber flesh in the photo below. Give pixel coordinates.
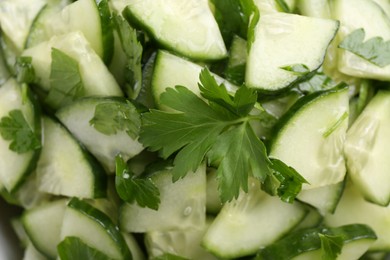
(76, 117)
(14, 167)
(282, 40)
(255, 219)
(43, 226)
(183, 204)
(64, 168)
(311, 137)
(188, 28)
(366, 150)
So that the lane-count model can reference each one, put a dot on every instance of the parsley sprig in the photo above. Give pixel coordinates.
(15, 128)
(374, 50)
(216, 129)
(131, 188)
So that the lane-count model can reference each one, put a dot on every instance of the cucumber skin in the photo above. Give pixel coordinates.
(306, 240)
(104, 221)
(107, 30)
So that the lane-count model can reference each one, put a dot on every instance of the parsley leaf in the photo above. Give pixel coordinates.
(297, 69)
(330, 246)
(131, 188)
(133, 50)
(74, 248)
(16, 129)
(285, 181)
(65, 80)
(374, 50)
(218, 129)
(111, 117)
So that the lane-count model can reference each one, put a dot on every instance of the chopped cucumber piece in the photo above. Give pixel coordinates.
(311, 137)
(64, 168)
(17, 155)
(94, 228)
(369, 16)
(171, 70)
(353, 208)
(183, 204)
(256, 219)
(77, 118)
(366, 150)
(43, 226)
(188, 28)
(282, 43)
(76, 46)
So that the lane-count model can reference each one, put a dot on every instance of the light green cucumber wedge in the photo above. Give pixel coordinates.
(310, 137)
(188, 27)
(65, 168)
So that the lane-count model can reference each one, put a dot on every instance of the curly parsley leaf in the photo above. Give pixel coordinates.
(111, 117)
(15, 128)
(131, 188)
(133, 50)
(284, 181)
(331, 246)
(65, 80)
(74, 248)
(217, 129)
(374, 50)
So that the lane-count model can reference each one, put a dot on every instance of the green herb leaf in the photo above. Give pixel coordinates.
(285, 181)
(111, 117)
(131, 188)
(374, 50)
(218, 129)
(168, 256)
(319, 81)
(74, 248)
(24, 70)
(16, 129)
(331, 246)
(133, 50)
(65, 80)
(240, 153)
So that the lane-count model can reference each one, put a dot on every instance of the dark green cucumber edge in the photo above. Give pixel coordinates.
(104, 221)
(107, 30)
(307, 240)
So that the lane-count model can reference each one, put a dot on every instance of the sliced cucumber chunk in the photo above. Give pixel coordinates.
(90, 17)
(255, 219)
(94, 228)
(77, 118)
(311, 137)
(171, 70)
(283, 42)
(306, 243)
(43, 226)
(353, 208)
(367, 15)
(181, 242)
(183, 204)
(366, 150)
(16, 18)
(64, 168)
(16, 164)
(324, 198)
(188, 28)
(76, 46)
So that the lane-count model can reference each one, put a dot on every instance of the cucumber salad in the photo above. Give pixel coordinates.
(197, 129)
